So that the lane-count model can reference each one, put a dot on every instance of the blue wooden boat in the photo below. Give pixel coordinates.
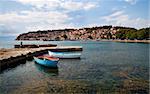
(48, 62)
(64, 55)
(47, 70)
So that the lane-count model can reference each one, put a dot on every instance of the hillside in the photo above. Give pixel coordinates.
(94, 33)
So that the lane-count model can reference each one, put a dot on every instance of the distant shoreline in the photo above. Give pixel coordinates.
(113, 40)
(135, 41)
(101, 40)
(129, 41)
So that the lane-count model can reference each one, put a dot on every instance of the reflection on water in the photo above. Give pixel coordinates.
(104, 68)
(11, 66)
(49, 71)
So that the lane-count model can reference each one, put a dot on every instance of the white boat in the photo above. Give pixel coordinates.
(64, 55)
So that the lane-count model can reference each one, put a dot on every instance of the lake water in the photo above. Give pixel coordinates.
(104, 68)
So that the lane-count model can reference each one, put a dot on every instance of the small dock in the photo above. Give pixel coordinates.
(16, 56)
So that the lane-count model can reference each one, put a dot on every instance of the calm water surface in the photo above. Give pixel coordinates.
(104, 67)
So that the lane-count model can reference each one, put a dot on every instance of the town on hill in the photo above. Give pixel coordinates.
(93, 33)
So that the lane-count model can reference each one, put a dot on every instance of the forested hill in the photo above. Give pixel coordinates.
(94, 33)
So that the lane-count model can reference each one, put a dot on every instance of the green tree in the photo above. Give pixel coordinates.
(143, 33)
(131, 34)
(121, 34)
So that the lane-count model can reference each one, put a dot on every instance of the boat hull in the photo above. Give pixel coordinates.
(47, 63)
(64, 55)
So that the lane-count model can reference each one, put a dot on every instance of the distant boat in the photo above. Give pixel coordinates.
(64, 55)
(46, 61)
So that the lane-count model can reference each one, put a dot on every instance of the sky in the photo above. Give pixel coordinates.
(22, 16)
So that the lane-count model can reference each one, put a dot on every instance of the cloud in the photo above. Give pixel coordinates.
(25, 21)
(120, 18)
(89, 5)
(33, 17)
(4, 30)
(78, 5)
(131, 1)
(43, 14)
(113, 16)
(54, 4)
(41, 3)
